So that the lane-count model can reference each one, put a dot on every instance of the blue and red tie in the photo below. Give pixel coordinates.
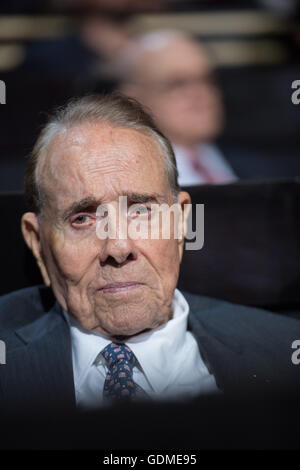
(119, 384)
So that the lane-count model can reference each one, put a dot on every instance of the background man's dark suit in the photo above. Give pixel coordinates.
(246, 349)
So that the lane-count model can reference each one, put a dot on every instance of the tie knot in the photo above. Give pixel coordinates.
(116, 354)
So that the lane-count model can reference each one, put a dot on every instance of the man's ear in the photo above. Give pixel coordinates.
(31, 232)
(184, 200)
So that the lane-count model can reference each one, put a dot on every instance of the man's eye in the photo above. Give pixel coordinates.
(139, 210)
(143, 209)
(81, 220)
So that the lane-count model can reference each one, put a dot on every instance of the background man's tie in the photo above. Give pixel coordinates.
(119, 383)
(209, 176)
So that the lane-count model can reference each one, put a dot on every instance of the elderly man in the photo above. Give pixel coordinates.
(171, 73)
(119, 328)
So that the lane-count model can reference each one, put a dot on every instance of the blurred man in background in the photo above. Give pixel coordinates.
(171, 74)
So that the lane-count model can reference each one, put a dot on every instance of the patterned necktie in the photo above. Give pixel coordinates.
(119, 384)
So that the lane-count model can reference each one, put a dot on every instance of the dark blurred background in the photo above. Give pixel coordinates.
(53, 50)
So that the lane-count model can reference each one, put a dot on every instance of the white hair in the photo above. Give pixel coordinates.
(114, 109)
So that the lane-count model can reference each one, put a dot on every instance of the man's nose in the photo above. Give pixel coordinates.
(118, 251)
(117, 248)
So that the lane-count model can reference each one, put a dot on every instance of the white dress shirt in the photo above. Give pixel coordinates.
(169, 361)
(210, 158)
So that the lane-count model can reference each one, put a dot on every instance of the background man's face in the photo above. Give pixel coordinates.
(102, 162)
(177, 83)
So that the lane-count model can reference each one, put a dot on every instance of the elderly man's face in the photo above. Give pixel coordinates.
(116, 286)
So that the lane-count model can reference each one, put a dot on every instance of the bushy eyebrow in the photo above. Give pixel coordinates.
(138, 198)
(90, 204)
(86, 204)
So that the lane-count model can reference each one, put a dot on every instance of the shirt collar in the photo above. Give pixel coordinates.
(154, 349)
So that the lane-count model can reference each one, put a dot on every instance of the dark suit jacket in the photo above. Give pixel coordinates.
(248, 350)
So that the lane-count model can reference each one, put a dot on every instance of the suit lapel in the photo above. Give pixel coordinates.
(224, 357)
(40, 364)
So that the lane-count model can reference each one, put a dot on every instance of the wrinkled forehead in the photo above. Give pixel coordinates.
(102, 161)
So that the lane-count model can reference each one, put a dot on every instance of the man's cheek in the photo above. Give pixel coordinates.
(164, 256)
(71, 260)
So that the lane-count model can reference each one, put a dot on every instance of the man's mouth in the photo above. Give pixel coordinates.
(119, 287)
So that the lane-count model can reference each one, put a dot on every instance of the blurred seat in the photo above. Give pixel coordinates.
(251, 250)
(18, 268)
